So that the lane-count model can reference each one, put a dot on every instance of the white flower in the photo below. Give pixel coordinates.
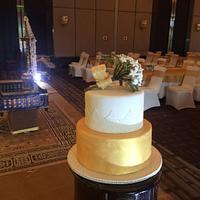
(134, 62)
(136, 73)
(122, 59)
(128, 69)
(135, 81)
(133, 72)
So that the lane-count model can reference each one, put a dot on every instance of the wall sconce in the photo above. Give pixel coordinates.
(197, 27)
(64, 20)
(143, 24)
(125, 38)
(104, 37)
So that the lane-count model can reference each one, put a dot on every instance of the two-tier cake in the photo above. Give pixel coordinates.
(113, 137)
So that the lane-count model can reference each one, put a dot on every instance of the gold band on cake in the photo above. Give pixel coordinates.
(113, 153)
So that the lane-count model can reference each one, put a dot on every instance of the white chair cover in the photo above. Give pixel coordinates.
(160, 68)
(188, 63)
(141, 61)
(161, 61)
(196, 92)
(78, 69)
(188, 82)
(198, 63)
(80, 62)
(149, 57)
(87, 74)
(151, 91)
(156, 56)
(134, 55)
(193, 68)
(98, 58)
(173, 60)
(163, 88)
(182, 96)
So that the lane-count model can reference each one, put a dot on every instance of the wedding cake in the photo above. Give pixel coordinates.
(113, 156)
(113, 138)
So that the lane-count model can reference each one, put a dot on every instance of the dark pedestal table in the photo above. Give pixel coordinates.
(141, 185)
(22, 104)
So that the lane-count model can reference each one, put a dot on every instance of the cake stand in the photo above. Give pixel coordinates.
(141, 185)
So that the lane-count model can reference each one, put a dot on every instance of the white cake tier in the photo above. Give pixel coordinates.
(114, 110)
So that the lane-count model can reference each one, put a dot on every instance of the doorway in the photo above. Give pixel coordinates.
(40, 14)
(171, 25)
(9, 48)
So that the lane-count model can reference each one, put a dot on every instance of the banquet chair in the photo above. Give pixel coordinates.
(141, 61)
(151, 91)
(188, 63)
(149, 57)
(169, 53)
(130, 54)
(112, 53)
(87, 74)
(159, 52)
(173, 60)
(80, 62)
(193, 56)
(189, 53)
(198, 63)
(135, 56)
(44, 63)
(196, 92)
(181, 97)
(161, 61)
(77, 69)
(98, 58)
(156, 56)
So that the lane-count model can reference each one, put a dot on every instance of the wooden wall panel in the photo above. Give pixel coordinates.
(89, 4)
(128, 5)
(195, 35)
(142, 36)
(92, 26)
(196, 8)
(63, 3)
(64, 35)
(105, 31)
(105, 4)
(126, 23)
(85, 31)
(144, 5)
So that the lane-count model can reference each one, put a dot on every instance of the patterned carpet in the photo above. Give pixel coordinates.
(180, 175)
(50, 143)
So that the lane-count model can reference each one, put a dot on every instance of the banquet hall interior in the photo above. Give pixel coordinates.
(59, 41)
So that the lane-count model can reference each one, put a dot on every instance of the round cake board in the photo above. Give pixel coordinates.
(152, 169)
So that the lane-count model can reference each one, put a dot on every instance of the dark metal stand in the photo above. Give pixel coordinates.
(140, 185)
(145, 190)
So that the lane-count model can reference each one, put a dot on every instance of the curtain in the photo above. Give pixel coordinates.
(9, 47)
(40, 14)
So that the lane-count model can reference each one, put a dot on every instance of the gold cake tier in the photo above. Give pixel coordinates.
(113, 153)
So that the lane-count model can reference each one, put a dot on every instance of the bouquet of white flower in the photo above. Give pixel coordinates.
(127, 69)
